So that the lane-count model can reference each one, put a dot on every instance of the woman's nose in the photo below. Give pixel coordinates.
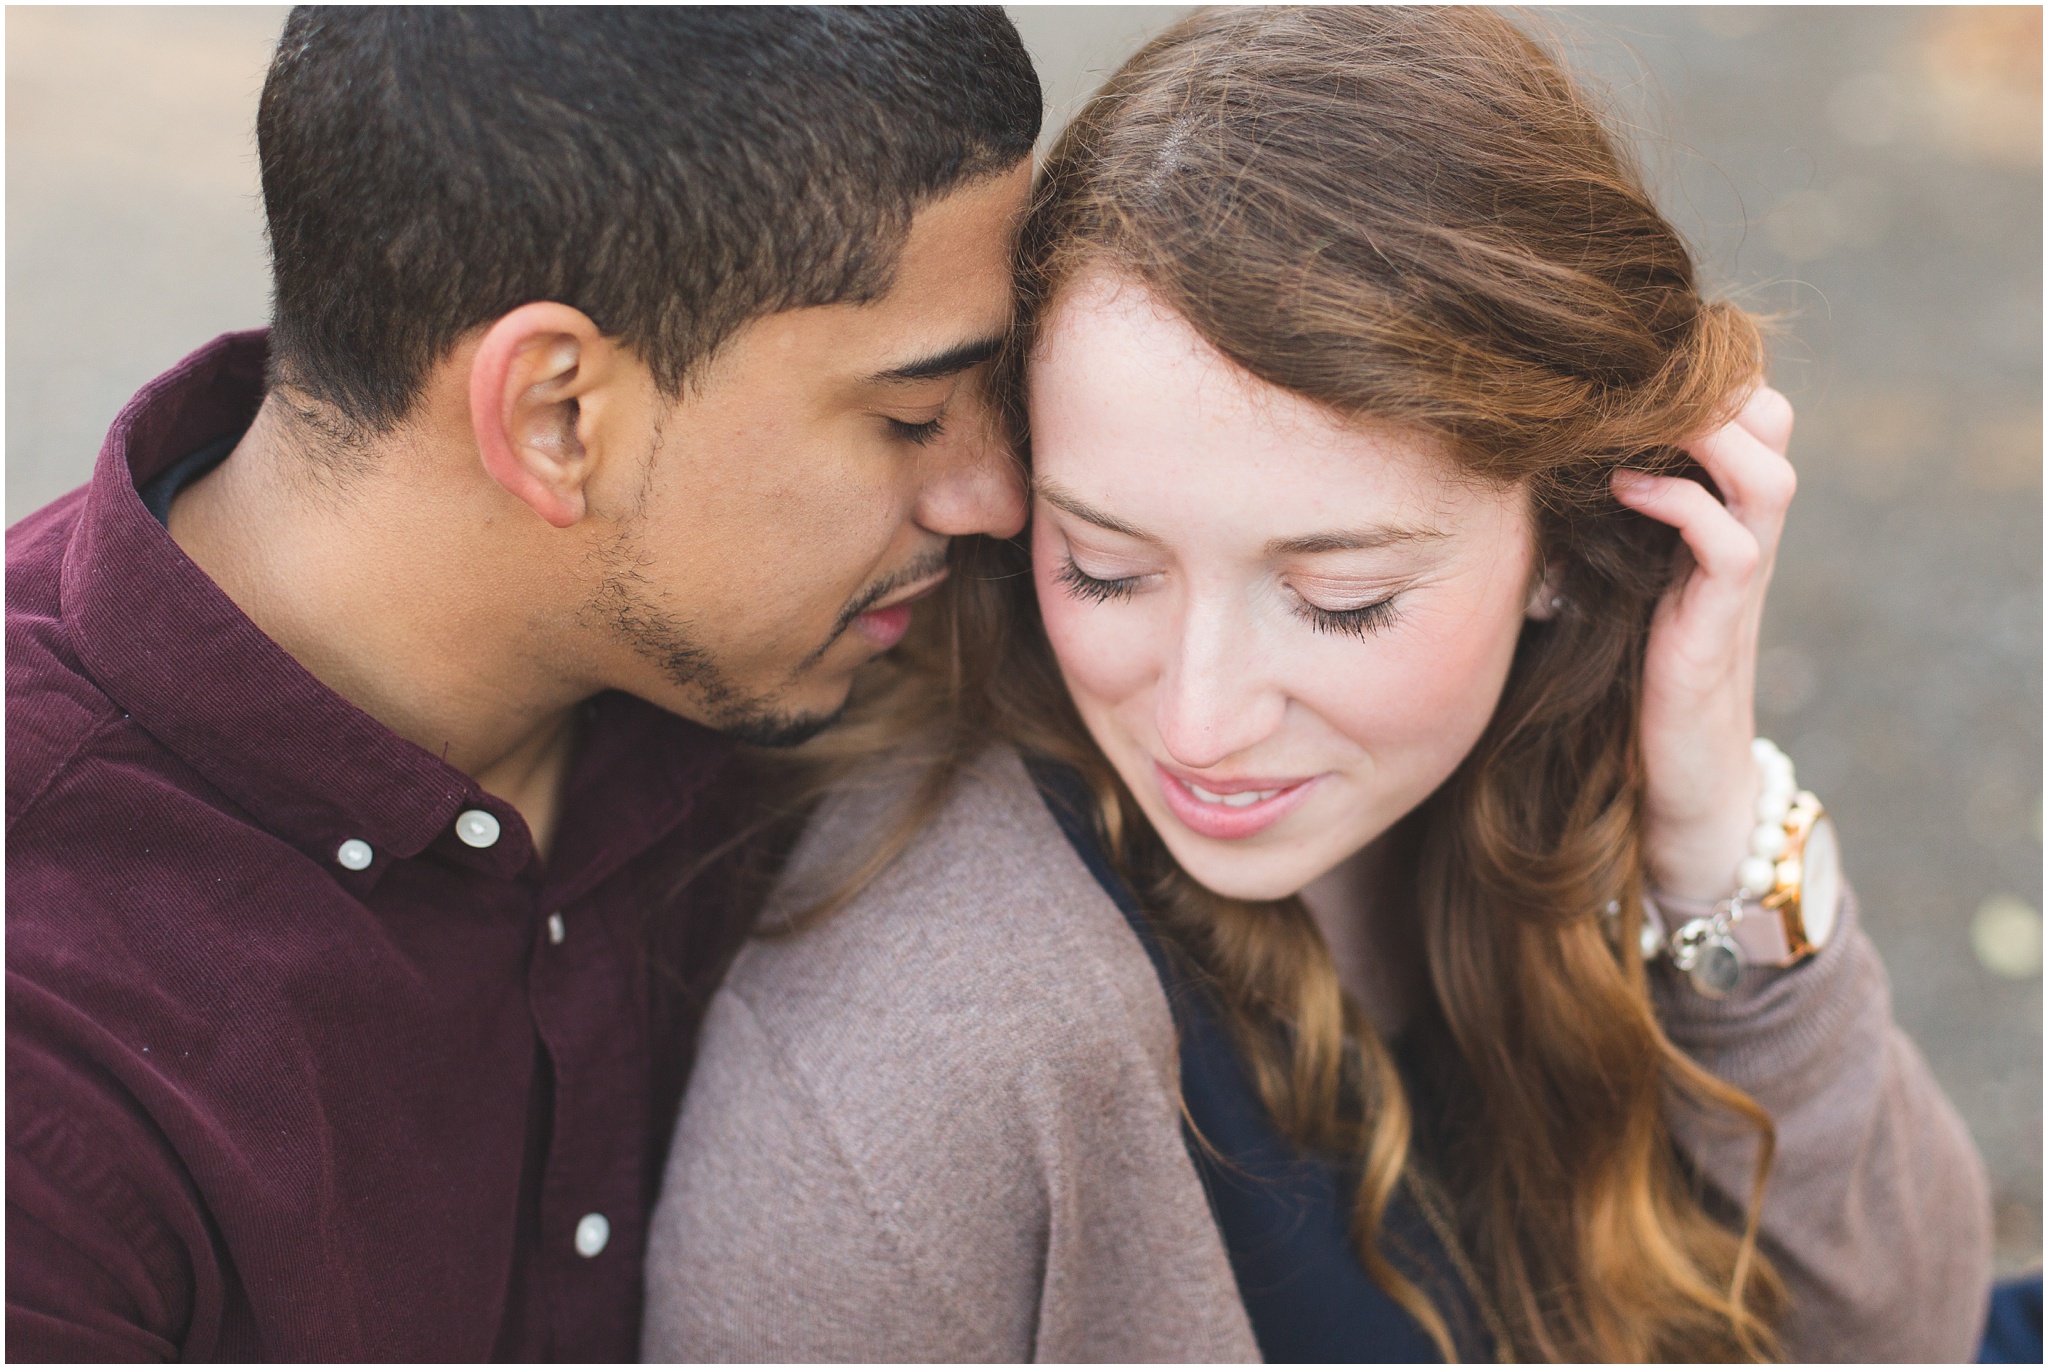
(1215, 698)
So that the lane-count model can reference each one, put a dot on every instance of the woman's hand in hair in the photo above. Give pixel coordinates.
(1699, 679)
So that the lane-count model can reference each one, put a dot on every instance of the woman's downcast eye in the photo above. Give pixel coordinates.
(1082, 585)
(1348, 622)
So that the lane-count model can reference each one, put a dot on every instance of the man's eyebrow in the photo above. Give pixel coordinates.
(1065, 500)
(1358, 539)
(952, 361)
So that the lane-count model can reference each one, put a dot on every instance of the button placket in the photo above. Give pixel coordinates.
(588, 1191)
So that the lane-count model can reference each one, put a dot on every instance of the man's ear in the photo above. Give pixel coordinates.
(531, 384)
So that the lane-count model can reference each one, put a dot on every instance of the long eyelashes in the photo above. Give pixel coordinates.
(1347, 622)
(1082, 585)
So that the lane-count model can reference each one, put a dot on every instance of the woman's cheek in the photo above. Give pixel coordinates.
(1427, 692)
(1100, 646)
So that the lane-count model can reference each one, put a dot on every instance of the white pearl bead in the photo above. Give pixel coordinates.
(1763, 748)
(354, 854)
(1768, 842)
(1757, 875)
(1773, 807)
(593, 1234)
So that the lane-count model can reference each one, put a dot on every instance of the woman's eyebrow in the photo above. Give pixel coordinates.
(1068, 502)
(1355, 539)
(1358, 539)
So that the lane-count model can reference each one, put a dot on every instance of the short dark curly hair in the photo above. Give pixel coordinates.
(674, 172)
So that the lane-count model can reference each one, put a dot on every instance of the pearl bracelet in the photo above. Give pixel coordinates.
(1758, 872)
(1705, 948)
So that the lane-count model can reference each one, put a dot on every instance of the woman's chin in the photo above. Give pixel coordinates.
(1252, 876)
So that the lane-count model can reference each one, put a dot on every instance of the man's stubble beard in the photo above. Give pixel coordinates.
(625, 603)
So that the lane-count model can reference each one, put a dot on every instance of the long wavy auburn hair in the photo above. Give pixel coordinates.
(1414, 216)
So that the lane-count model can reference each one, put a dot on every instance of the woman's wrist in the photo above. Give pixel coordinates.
(1697, 859)
(1735, 851)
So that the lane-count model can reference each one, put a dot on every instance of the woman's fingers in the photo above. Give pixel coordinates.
(1726, 549)
(1756, 478)
(1768, 418)
(1731, 543)
(1746, 458)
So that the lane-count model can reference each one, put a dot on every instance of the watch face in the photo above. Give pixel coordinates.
(1820, 882)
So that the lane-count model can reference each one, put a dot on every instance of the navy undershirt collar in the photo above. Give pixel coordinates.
(1284, 1213)
(158, 494)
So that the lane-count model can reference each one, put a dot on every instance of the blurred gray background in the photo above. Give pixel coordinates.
(1871, 175)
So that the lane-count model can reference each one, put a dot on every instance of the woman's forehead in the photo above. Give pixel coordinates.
(1131, 407)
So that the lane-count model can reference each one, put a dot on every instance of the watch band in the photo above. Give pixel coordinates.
(1763, 934)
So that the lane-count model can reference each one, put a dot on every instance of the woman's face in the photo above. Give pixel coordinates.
(1283, 630)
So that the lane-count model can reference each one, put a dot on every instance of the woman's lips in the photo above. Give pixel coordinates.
(885, 626)
(1233, 809)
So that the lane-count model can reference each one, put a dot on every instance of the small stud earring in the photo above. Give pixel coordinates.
(1557, 603)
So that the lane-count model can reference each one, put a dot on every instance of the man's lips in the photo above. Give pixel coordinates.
(1230, 809)
(885, 624)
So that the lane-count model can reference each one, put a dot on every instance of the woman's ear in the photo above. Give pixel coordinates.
(1546, 596)
(531, 383)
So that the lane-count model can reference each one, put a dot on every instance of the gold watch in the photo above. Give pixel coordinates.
(1797, 916)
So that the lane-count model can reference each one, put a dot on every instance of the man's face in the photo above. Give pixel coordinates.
(799, 496)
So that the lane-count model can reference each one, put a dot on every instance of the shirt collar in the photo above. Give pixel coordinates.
(175, 653)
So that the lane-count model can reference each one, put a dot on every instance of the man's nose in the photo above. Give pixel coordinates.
(1213, 700)
(974, 486)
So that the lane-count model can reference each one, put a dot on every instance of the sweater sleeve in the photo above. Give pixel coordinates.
(1877, 1213)
(766, 1246)
(943, 1125)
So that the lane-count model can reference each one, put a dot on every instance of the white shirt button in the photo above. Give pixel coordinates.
(557, 929)
(592, 1234)
(355, 854)
(477, 828)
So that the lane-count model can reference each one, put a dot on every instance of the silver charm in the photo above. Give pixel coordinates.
(1706, 954)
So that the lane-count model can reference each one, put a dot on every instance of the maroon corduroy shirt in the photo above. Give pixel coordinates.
(261, 1103)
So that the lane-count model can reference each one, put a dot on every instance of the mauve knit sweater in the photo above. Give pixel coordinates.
(942, 1125)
